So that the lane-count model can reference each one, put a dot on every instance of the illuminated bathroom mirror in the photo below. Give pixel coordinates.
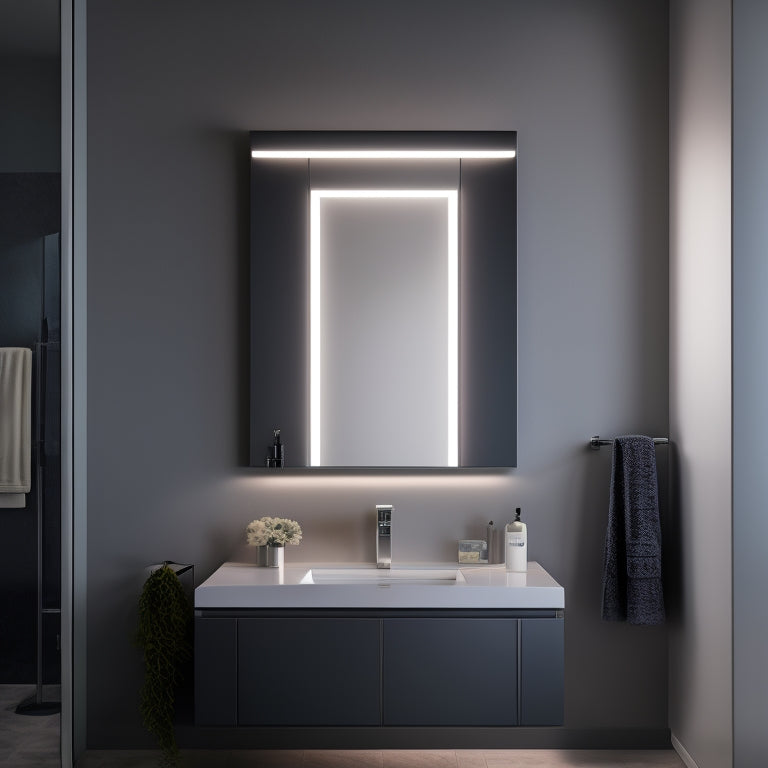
(383, 298)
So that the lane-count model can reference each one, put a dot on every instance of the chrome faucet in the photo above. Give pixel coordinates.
(384, 535)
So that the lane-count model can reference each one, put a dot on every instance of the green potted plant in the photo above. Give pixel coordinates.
(165, 637)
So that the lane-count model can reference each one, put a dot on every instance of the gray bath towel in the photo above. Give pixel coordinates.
(632, 589)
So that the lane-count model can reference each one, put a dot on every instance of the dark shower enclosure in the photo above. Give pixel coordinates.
(30, 559)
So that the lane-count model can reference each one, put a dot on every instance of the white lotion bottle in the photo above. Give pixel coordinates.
(516, 545)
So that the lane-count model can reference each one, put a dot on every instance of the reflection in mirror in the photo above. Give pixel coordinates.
(384, 327)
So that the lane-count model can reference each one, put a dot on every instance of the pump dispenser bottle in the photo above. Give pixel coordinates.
(516, 545)
(276, 452)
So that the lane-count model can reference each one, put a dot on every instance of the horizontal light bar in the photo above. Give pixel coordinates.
(382, 154)
(351, 193)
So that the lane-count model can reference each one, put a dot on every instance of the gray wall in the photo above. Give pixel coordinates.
(750, 372)
(700, 684)
(173, 89)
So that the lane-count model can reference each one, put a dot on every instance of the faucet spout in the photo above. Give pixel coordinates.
(384, 535)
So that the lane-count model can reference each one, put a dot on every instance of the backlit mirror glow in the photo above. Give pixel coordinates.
(382, 154)
(384, 334)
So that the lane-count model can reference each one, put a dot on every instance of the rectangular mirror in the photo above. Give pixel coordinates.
(383, 298)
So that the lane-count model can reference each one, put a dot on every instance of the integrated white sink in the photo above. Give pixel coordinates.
(362, 585)
(384, 577)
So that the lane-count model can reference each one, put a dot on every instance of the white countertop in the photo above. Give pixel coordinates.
(242, 585)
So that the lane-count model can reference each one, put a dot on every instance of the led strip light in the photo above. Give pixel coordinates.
(451, 196)
(382, 154)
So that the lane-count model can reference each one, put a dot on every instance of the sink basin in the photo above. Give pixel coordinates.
(238, 585)
(384, 577)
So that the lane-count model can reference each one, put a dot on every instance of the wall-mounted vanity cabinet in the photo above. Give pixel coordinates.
(331, 668)
(380, 665)
(384, 298)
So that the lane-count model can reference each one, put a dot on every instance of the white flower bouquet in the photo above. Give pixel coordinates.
(274, 531)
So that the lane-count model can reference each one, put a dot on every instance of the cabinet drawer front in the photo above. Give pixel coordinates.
(541, 672)
(215, 671)
(308, 671)
(450, 672)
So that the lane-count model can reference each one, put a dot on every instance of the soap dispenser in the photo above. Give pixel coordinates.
(516, 545)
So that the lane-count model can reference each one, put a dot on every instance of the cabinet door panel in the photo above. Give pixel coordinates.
(215, 671)
(308, 671)
(450, 672)
(542, 671)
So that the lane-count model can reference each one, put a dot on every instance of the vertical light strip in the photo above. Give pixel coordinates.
(453, 328)
(315, 424)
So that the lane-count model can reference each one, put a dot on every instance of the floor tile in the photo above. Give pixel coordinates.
(470, 758)
(33, 761)
(524, 758)
(28, 741)
(582, 758)
(413, 758)
(264, 758)
(347, 758)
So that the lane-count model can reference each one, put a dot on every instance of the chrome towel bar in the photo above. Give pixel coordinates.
(597, 442)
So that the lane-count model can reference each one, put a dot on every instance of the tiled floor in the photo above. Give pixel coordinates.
(33, 742)
(496, 758)
(28, 741)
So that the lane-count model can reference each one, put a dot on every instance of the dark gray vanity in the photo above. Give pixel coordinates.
(279, 649)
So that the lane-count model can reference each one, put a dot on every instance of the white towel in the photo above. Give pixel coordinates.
(15, 425)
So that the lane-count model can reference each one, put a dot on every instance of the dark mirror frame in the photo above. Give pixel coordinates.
(279, 289)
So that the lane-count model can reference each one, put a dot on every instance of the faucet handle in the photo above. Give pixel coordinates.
(384, 518)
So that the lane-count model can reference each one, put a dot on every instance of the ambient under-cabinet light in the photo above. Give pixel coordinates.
(382, 154)
(451, 196)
